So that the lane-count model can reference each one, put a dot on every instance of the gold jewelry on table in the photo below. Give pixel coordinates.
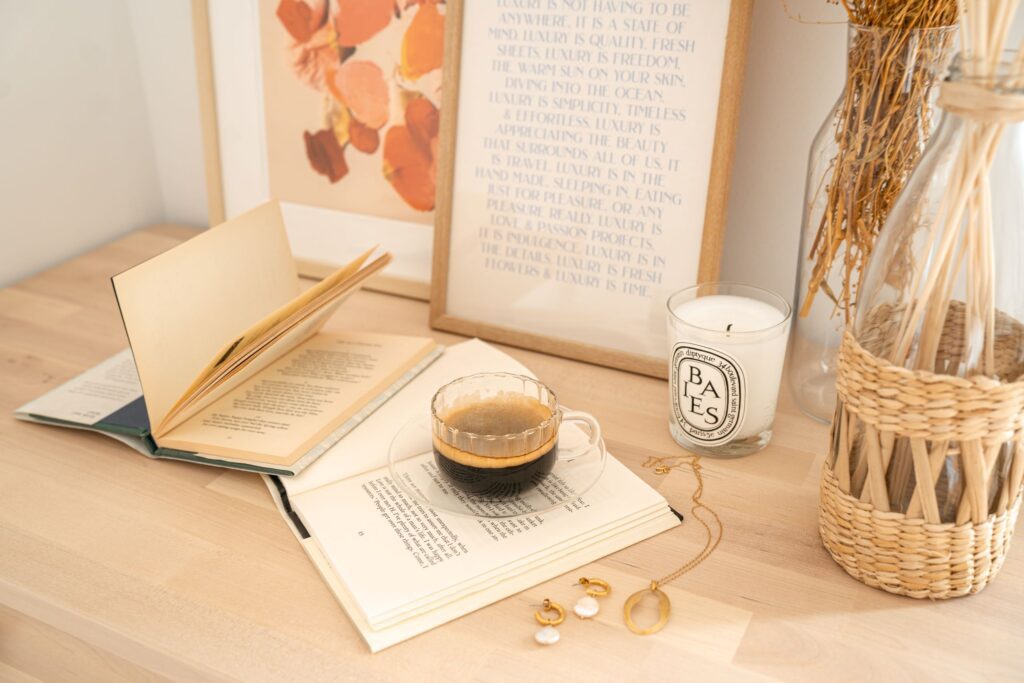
(549, 634)
(587, 606)
(663, 610)
(550, 606)
(664, 466)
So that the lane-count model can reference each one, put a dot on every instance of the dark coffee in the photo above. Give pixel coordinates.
(501, 467)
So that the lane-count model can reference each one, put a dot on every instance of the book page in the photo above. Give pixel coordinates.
(365, 448)
(244, 369)
(324, 294)
(552, 566)
(280, 412)
(91, 396)
(498, 576)
(181, 307)
(421, 555)
(400, 568)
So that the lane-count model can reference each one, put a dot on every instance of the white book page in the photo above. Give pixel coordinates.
(378, 639)
(365, 448)
(389, 551)
(513, 569)
(92, 395)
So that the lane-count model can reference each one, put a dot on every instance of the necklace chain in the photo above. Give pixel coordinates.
(664, 465)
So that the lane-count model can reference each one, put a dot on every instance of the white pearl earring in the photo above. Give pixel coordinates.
(587, 606)
(549, 635)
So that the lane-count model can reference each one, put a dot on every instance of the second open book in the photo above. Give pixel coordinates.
(400, 568)
(228, 351)
(232, 368)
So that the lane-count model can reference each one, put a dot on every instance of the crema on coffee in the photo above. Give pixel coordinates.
(499, 445)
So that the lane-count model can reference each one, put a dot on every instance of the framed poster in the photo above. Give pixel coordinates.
(331, 107)
(586, 150)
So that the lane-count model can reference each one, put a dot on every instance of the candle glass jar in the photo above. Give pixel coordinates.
(727, 345)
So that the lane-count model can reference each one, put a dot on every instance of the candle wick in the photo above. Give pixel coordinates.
(728, 328)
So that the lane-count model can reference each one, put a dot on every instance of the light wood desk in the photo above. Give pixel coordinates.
(116, 566)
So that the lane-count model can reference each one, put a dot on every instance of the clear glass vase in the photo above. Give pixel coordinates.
(859, 161)
(943, 294)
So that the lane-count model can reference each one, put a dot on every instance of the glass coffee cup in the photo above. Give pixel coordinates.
(496, 434)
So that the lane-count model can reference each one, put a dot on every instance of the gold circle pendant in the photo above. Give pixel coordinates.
(663, 610)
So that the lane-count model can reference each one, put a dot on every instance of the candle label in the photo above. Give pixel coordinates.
(708, 393)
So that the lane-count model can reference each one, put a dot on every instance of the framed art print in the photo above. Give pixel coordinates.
(332, 108)
(585, 158)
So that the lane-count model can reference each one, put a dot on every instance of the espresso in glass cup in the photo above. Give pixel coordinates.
(496, 434)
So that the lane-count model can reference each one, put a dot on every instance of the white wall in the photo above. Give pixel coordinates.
(98, 126)
(163, 41)
(795, 71)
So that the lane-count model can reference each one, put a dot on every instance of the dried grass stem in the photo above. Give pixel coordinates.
(896, 54)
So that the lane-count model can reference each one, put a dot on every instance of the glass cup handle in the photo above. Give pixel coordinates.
(593, 430)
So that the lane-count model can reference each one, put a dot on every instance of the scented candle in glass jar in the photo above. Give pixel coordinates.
(727, 345)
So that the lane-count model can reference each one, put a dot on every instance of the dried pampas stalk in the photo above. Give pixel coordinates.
(881, 127)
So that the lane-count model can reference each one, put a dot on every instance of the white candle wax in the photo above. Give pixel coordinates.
(728, 353)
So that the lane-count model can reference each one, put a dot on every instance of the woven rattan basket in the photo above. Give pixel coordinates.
(930, 420)
(922, 485)
(908, 556)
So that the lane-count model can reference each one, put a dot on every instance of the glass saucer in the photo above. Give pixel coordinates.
(411, 465)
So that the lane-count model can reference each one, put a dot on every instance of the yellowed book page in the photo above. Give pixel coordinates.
(241, 351)
(243, 371)
(279, 414)
(245, 368)
(295, 307)
(180, 307)
(274, 342)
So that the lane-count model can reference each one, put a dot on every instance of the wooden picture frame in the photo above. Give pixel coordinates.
(229, 77)
(737, 27)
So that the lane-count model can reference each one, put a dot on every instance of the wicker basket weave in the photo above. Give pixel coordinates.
(907, 556)
(978, 422)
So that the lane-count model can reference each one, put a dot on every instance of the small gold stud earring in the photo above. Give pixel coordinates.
(587, 606)
(549, 634)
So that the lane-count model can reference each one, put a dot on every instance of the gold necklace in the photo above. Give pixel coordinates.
(664, 466)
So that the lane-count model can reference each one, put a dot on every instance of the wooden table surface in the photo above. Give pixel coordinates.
(115, 566)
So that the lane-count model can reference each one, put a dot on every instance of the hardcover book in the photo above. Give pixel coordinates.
(228, 364)
(399, 567)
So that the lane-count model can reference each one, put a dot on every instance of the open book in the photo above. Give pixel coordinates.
(230, 358)
(400, 568)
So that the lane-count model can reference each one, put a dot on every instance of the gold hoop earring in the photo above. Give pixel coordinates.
(587, 606)
(549, 634)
